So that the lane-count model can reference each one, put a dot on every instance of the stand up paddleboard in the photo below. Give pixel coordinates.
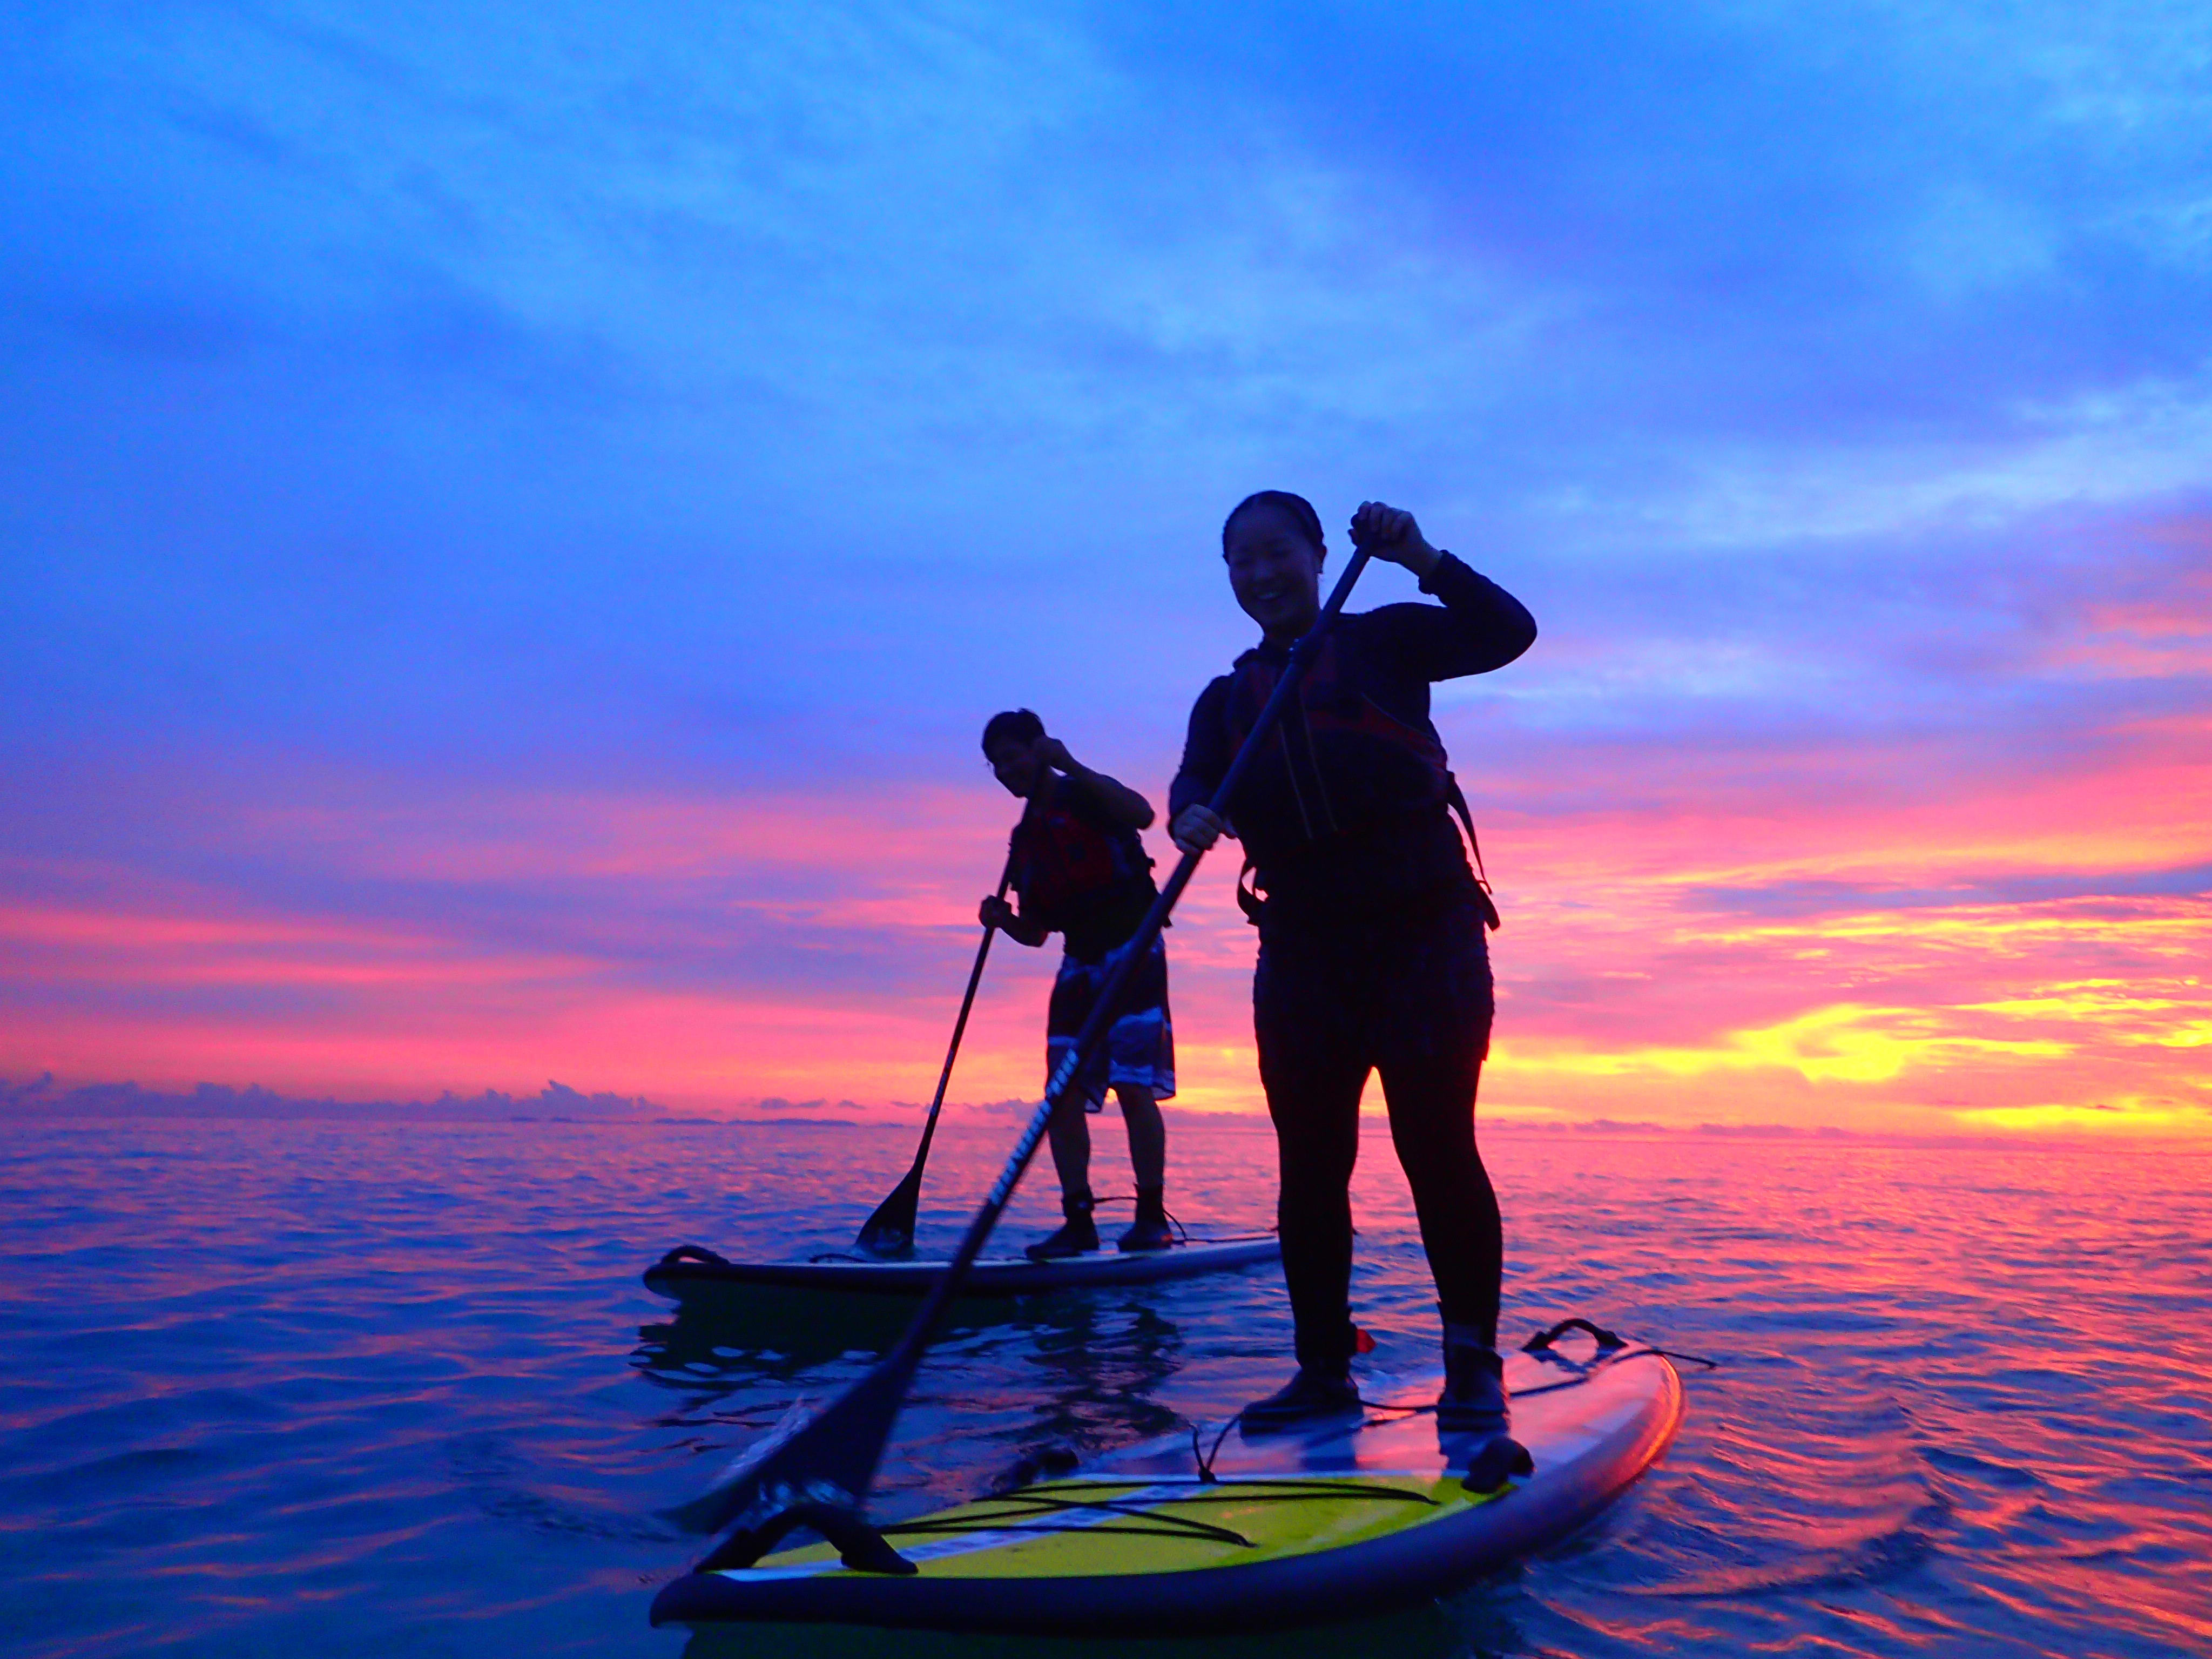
(1335, 1519)
(688, 1271)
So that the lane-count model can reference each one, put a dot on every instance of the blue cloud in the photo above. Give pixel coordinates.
(750, 398)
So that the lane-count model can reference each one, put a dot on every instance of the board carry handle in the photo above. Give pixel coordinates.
(1543, 1340)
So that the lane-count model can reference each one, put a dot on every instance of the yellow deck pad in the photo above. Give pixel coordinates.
(1102, 1526)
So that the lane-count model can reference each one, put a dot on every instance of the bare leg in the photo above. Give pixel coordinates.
(1071, 1145)
(1071, 1157)
(1148, 1134)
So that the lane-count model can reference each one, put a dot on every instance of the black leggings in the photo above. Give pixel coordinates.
(1408, 996)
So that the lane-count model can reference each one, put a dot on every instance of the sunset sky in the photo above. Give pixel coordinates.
(514, 517)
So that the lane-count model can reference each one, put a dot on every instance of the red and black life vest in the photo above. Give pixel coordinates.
(1065, 864)
(1334, 705)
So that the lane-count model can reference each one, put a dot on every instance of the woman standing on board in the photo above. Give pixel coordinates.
(1372, 948)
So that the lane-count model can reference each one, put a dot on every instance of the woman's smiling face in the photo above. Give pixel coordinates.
(1274, 570)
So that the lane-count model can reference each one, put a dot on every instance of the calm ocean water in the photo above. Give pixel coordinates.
(337, 1388)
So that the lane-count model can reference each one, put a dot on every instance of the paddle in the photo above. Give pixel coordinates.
(888, 1233)
(830, 1459)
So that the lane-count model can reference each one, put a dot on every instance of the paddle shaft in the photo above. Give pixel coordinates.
(833, 1456)
(894, 1216)
(959, 1028)
(907, 1355)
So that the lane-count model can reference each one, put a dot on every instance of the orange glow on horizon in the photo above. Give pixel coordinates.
(1658, 964)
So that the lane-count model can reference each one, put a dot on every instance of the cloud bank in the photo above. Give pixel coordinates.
(514, 520)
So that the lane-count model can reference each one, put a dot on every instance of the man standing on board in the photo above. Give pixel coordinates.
(1080, 872)
(1372, 956)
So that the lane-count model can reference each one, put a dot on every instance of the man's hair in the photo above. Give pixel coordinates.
(1015, 724)
(1297, 506)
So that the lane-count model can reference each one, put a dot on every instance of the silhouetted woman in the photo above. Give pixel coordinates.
(1372, 955)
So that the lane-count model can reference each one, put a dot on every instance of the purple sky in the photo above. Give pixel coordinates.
(442, 443)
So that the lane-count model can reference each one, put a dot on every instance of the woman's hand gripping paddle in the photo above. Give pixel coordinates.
(831, 1458)
(888, 1234)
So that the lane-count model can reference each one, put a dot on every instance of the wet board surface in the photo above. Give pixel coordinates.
(1336, 1519)
(1014, 1275)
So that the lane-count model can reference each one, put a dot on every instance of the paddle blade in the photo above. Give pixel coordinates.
(888, 1235)
(828, 1457)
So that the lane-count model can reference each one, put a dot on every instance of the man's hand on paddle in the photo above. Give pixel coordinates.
(1390, 534)
(997, 912)
(1197, 827)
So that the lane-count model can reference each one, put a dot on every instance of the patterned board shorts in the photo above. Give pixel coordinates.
(1139, 1047)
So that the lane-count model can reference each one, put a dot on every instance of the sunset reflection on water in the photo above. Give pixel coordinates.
(395, 1375)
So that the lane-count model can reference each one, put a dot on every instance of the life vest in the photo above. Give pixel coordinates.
(1334, 704)
(1063, 863)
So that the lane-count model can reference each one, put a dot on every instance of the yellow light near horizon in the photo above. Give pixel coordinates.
(1846, 1043)
(2076, 1008)
(1980, 927)
(2196, 1033)
(2133, 1117)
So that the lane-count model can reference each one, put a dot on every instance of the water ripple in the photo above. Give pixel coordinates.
(395, 1389)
